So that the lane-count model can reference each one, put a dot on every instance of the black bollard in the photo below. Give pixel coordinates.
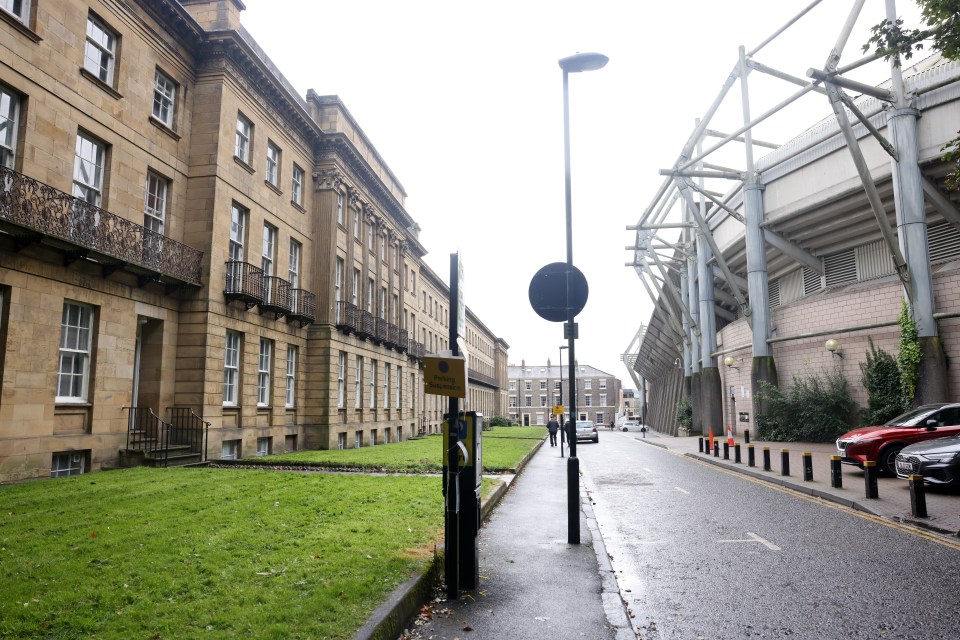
(751, 456)
(836, 479)
(726, 450)
(736, 453)
(700, 444)
(746, 436)
(870, 474)
(918, 497)
(766, 459)
(716, 449)
(807, 466)
(785, 462)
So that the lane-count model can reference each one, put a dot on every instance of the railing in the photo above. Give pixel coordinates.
(187, 428)
(147, 432)
(415, 350)
(276, 296)
(45, 211)
(243, 282)
(303, 306)
(474, 375)
(348, 317)
(368, 325)
(381, 330)
(400, 343)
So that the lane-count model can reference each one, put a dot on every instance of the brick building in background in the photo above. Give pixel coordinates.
(534, 390)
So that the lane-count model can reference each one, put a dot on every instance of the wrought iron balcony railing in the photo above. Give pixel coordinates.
(415, 350)
(276, 296)
(244, 282)
(476, 376)
(382, 330)
(348, 317)
(303, 307)
(32, 211)
(368, 325)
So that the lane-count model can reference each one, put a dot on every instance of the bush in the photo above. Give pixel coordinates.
(908, 357)
(500, 421)
(880, 376)
(684, 412)
(815, 409)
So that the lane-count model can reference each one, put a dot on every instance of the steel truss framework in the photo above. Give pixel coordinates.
(730, 247)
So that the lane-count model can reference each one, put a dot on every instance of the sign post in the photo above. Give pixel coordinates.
(447, 376)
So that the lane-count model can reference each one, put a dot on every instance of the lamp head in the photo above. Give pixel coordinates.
(730, 361)
(583, 62)
(833, 347)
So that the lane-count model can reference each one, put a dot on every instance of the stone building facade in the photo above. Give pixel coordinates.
(192, 253)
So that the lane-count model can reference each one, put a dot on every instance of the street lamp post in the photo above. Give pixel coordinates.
(573, 64)
(562, 430)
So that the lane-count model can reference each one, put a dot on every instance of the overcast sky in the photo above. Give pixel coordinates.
(463, 100)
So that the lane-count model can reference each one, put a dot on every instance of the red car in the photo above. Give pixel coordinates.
(883, 443)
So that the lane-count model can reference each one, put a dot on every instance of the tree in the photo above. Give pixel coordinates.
(891, 40)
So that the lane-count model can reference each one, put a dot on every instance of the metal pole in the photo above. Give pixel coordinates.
(562, 436)
(573, 463)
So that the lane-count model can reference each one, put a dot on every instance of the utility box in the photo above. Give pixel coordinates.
(468, 483)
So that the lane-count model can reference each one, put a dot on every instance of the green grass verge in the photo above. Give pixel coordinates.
(538, 433)
(424, 455)
(208, 553)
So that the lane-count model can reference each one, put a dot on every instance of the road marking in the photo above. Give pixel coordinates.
(766, 543)
(670, 490)
(930, 536)
(683, 490)
(753, 539)
(646, 470)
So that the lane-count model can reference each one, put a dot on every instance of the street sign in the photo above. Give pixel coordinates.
(558, 410)
(557, 290)
(445, 376)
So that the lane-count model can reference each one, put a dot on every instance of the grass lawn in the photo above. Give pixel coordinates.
(503, 449)
(208, 553)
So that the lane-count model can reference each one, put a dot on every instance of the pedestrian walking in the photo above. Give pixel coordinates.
(553, 426)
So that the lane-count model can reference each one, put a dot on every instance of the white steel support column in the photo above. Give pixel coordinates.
(911, 219)
(757, 283)
(912, 238)
(693, 336)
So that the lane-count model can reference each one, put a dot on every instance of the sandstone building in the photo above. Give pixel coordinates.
(193, 254)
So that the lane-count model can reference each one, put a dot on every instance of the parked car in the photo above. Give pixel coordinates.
(882, 443)
(937, 460)
(631, 425)
(587, 430)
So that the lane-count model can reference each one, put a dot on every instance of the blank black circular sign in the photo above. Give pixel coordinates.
(548, 292)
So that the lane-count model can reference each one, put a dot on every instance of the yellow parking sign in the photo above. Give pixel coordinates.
(446, 376)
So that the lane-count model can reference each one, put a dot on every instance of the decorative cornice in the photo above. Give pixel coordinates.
(226, 52)
(336, 146)
(356, 202)
(177, 21)
(328, 179)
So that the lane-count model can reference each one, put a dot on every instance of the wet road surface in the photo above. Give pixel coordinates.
(700, 552)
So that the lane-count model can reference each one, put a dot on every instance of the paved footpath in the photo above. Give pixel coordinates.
(533, 584)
